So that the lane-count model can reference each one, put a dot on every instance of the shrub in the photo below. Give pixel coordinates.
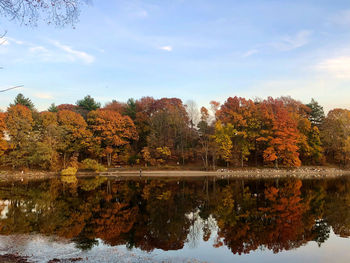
(69, 171)
(69, 179)
(93, 165)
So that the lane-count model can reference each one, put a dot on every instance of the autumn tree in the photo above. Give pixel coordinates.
(19, 126)
(242, 114)
(111, 132)
(44, 148)
(3, 142)
(223, 137)
(282, 140)
(74, 134)
(169, 127)
(335, 134)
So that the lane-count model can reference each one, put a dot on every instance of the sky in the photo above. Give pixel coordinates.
(198, 50)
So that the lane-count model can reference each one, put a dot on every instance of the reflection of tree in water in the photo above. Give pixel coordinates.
(243, 215)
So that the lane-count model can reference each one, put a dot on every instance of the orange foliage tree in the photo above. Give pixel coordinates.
(3, 142)
(74, 134)
(283, 136)
(19, 125)
(111, 131)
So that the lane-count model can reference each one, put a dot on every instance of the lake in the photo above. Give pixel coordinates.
(203, 219)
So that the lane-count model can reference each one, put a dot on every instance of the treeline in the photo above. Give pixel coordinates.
(155, 132)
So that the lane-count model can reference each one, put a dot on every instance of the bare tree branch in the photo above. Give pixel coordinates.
(29, 12)
(16, 87)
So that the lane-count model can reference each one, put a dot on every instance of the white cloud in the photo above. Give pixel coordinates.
(42, 95)
(250, 53)
(13, 40)
(38, 49)
(289, 42)
(338, 67)
(167, 48)
(75, 54)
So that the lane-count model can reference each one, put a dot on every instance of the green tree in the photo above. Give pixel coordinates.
(88, 103)
(53, 108)
(316, 115)
(20, 99)
(130, 109)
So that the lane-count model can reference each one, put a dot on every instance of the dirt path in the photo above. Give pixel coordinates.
(303, 172)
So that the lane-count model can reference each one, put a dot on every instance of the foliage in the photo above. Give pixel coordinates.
(316, 115)
(21, 100)
(69, 178)
(90, 164)
(111, 132)
(70, 171)
(53, 108)
(148, 131)
(88, 103)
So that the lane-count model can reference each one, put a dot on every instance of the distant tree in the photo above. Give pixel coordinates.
(29, 12)
(205, 131)
(130, 109)
(53, 108)
(69, 107)
(316, 115)
(116, 106)
(88, 103)
(192, 112)
(21, 100)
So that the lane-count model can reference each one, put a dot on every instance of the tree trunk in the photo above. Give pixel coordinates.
(109, 159)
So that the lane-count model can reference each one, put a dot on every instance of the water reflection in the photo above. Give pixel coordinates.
(242, 215)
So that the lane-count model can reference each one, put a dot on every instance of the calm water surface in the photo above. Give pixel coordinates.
(177, 220)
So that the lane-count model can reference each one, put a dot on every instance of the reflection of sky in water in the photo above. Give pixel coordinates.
(46, 248)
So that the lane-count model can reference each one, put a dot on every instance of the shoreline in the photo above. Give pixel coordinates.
(302, 172)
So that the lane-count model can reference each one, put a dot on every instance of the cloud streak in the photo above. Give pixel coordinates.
(290, 42)
(75, 54)
(250, 53)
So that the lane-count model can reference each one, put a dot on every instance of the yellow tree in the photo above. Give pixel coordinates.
(223, 137)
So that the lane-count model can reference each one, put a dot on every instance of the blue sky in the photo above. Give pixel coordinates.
(191, 49)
